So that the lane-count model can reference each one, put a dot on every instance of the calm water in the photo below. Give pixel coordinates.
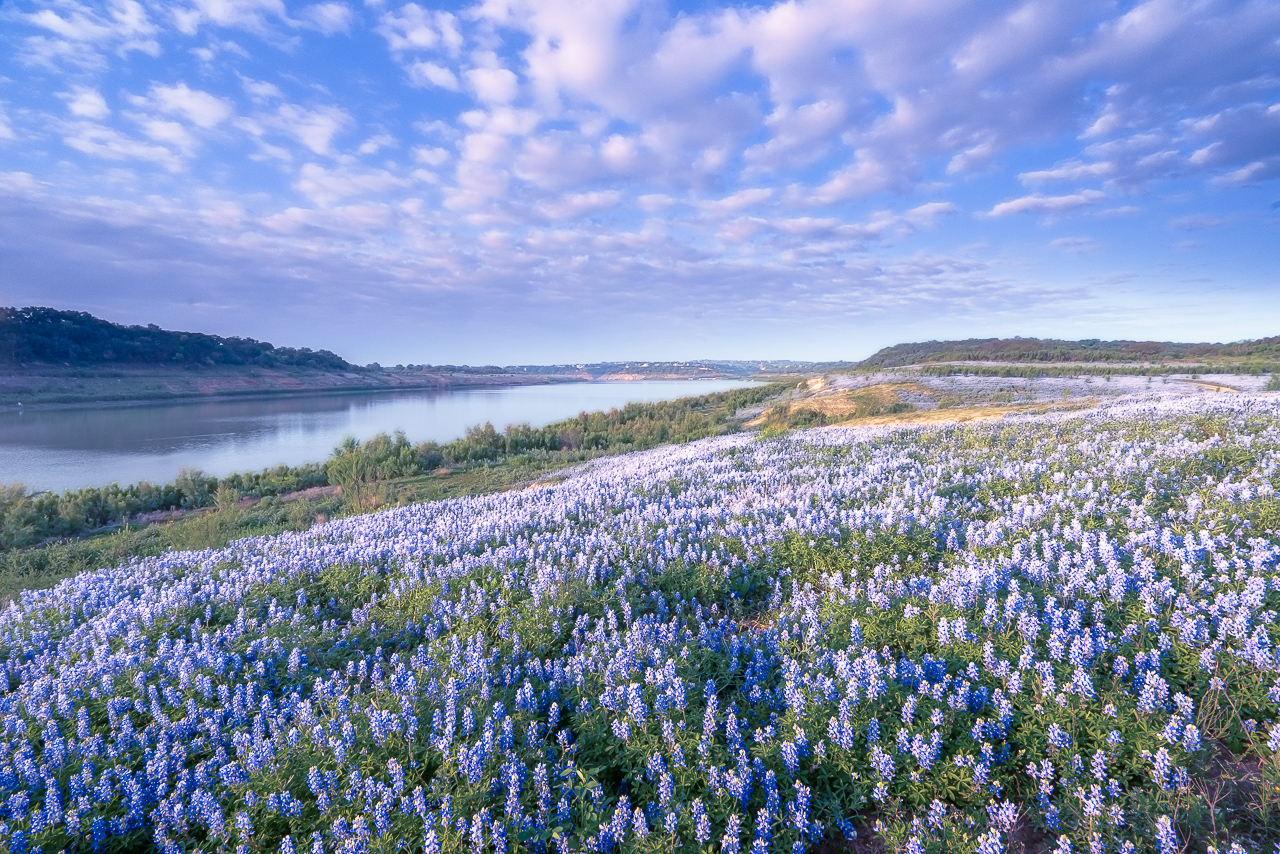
(66, 448)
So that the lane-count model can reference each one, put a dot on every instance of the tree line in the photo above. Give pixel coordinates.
(1054, 350)
(46, 335)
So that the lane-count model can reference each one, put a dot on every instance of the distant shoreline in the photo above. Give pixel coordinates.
(44, 390)
(123, 403)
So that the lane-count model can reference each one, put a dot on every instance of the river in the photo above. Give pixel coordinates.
(59, 449)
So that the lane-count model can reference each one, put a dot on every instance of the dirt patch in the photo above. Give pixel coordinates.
(546, 482)
(830, 405)
(1209, 386)
(313, 492)
(159, 516)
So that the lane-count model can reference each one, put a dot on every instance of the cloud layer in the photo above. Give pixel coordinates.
(775, 179)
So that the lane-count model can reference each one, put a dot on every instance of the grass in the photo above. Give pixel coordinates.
(633, 580)
(43, 566)
(818, 411)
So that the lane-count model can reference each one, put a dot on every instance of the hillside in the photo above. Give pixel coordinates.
(1054, 637)
(75, 338)
(1055, 350)
(52, 357)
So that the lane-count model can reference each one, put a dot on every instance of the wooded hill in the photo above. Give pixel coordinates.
(1054, 350)
(77, 338)
(35, 336)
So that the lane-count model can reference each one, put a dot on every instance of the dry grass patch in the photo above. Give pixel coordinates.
(835, 407)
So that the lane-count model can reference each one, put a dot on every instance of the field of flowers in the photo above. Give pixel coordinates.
(1049, 634)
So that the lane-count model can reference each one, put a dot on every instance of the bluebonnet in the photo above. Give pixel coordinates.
(701, 822)
(208, 672)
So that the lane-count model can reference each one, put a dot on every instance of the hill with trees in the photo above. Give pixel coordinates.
(76, 338)
(1055, 350)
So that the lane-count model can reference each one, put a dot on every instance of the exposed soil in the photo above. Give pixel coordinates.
(313, 492)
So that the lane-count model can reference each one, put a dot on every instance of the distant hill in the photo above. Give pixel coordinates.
(34, 336)
(76, 338)
(1054, 350)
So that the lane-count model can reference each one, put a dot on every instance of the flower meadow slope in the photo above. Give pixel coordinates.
(1055, 632)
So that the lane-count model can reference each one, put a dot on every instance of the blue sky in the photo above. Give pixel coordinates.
(528, 181)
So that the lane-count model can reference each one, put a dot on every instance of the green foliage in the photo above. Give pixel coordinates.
(801, 596)
(28, 518)
(381, 470)
(47, 335)
(41, 566)
(1053, 350)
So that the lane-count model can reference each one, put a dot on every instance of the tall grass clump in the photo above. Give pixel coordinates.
(1055, 633)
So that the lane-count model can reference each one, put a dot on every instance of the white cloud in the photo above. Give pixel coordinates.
(315, 129)
(800, 134)
(926, 215)
(124, 20)
(76, 25)
(86, 103)
(1036, 204)
(654, 202)
(556, 160)
(1245, 143)
(251, 15)
(737, 201)
(346, 223)
(493, 85)
(169, 133)
(110, 144)
(1073, 171)
(864, 177)
(431, 156)
(328, 18)
(881, 225)
(80, 33)
(1076, 245)
(376, 143)
(619, 153)
(577, 204)
(219, 50)
(199, 108)
(430, 74)
(326, 186)
(261, 90)
(413, 28)
(816, 131)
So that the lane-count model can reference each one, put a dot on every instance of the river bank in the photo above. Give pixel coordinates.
(67, 386)
(53, 387)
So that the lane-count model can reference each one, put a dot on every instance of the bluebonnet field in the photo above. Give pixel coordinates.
(1057, 632)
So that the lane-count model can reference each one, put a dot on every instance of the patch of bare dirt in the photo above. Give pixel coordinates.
(1210, 386)
(960, 415)
(313, 492)
(159, 516)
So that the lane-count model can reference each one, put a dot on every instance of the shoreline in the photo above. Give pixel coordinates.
(63, 390)
(222, 397)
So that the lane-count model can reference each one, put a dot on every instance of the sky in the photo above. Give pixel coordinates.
(545, 181)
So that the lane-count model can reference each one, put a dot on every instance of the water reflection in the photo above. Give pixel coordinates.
(64, 448)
